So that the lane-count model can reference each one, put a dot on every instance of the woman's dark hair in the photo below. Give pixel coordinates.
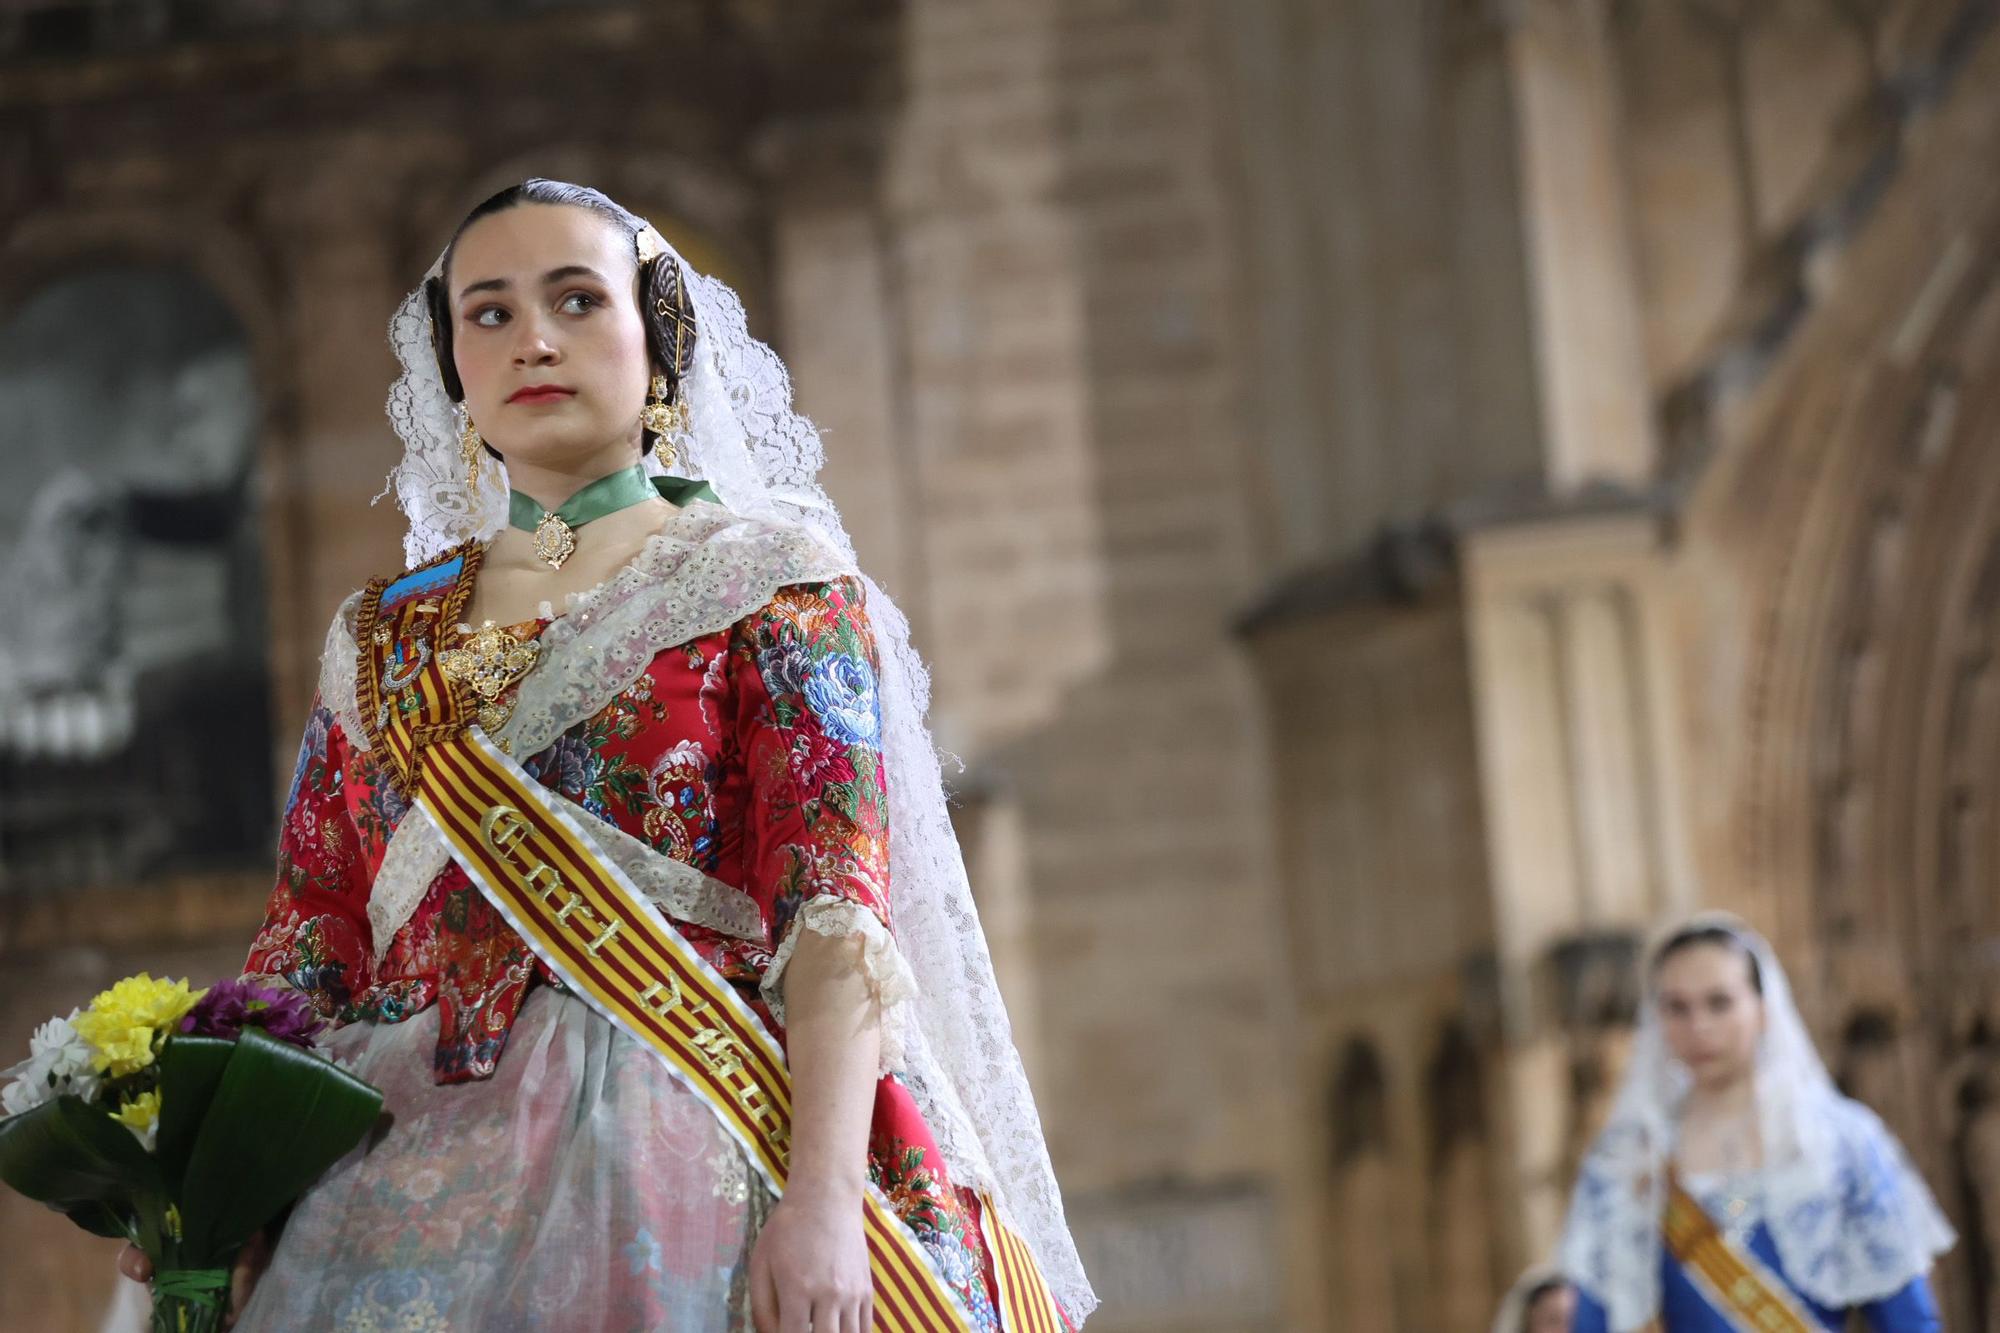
(1687, 937)
(664, 303)
(1541, 1291)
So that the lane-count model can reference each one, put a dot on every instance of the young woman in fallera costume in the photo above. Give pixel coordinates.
(1734, 1187)
(647, 685)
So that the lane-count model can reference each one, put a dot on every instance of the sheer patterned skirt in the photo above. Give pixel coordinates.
(580, 1188)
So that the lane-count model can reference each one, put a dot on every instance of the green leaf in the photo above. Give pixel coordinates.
(74, 1157)
(99, 1219)
(190, 1071)
(280, 1116)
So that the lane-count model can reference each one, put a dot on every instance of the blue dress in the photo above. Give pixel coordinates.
(1685, 1309)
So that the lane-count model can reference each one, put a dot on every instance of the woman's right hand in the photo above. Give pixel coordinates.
(250, 1263)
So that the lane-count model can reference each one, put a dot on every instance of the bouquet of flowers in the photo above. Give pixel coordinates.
(181, 1121)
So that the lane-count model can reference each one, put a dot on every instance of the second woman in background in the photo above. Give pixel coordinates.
(1734, 1187)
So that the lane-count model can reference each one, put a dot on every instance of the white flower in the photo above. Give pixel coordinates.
(26, 1092)
(58, 1061)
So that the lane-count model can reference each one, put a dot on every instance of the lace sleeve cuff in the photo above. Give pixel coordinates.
(338, 667)
(882, 967)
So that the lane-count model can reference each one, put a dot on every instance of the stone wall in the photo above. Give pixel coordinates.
(1275, 421)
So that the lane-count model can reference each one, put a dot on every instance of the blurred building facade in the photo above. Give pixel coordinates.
(1400, 497)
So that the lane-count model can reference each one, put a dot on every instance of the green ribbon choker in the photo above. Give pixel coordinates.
(555, 532)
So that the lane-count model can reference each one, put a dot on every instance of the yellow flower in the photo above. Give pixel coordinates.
(125, 1023)
(141, 1115)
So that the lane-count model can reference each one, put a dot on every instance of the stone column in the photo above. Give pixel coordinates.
(1582, 282)
(839, 323)
(987, 296)
(1581, 777)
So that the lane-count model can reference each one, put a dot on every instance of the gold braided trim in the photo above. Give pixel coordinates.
(406, 701)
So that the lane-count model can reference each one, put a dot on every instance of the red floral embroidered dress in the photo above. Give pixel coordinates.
(543, 1171)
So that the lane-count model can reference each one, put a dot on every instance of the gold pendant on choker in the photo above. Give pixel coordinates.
(490, 661)
(555, 541)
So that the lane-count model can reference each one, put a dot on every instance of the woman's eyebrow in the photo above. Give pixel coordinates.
(552, 276)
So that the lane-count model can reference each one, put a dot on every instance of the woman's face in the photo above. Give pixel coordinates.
(1552, 1311)
(1711, 1012)
(546, 296)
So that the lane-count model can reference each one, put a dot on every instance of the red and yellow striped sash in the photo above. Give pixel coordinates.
(613, 948)
(1025, 1303)
(1740, 1288)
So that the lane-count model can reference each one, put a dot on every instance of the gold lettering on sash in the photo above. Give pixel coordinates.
(604, 938)
(719, 1048)
(676, 998)
(726, 1057)
(544, 881)
(503, 828)
(764, 1114)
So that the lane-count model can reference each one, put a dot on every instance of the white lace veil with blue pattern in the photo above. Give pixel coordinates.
(1852, 1220)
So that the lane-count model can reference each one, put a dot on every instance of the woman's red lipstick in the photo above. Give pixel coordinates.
(540, 393)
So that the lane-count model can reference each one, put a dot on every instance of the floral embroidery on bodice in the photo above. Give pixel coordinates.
(751, 753)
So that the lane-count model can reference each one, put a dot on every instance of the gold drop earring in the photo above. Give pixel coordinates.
(661, 417)
(470, 447)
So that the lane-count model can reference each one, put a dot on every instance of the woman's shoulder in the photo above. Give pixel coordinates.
(841, 592)
(1870, 1157)
(1857, 1123)
(812, 608)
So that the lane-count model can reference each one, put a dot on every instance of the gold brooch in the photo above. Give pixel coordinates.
(555, 541)
(489, 662)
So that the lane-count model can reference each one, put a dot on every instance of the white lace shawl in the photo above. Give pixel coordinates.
(1852, 1220)
(949, 1032)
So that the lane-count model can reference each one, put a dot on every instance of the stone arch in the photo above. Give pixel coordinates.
(1875, 1065)
(1360, 1102)
(1876, 789)
(1459, 1205)
(62, 239)
(245, 268)
(1867, 1040)
(1973, 1193)
(1361, 1255)
(133, 664)
(1847, 543)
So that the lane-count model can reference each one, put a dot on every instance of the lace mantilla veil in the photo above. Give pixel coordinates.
(762, 459)
(1882, 1231)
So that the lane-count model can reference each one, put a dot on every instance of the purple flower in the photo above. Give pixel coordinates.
(786, 668)
(574, 765)
(228, 1007)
